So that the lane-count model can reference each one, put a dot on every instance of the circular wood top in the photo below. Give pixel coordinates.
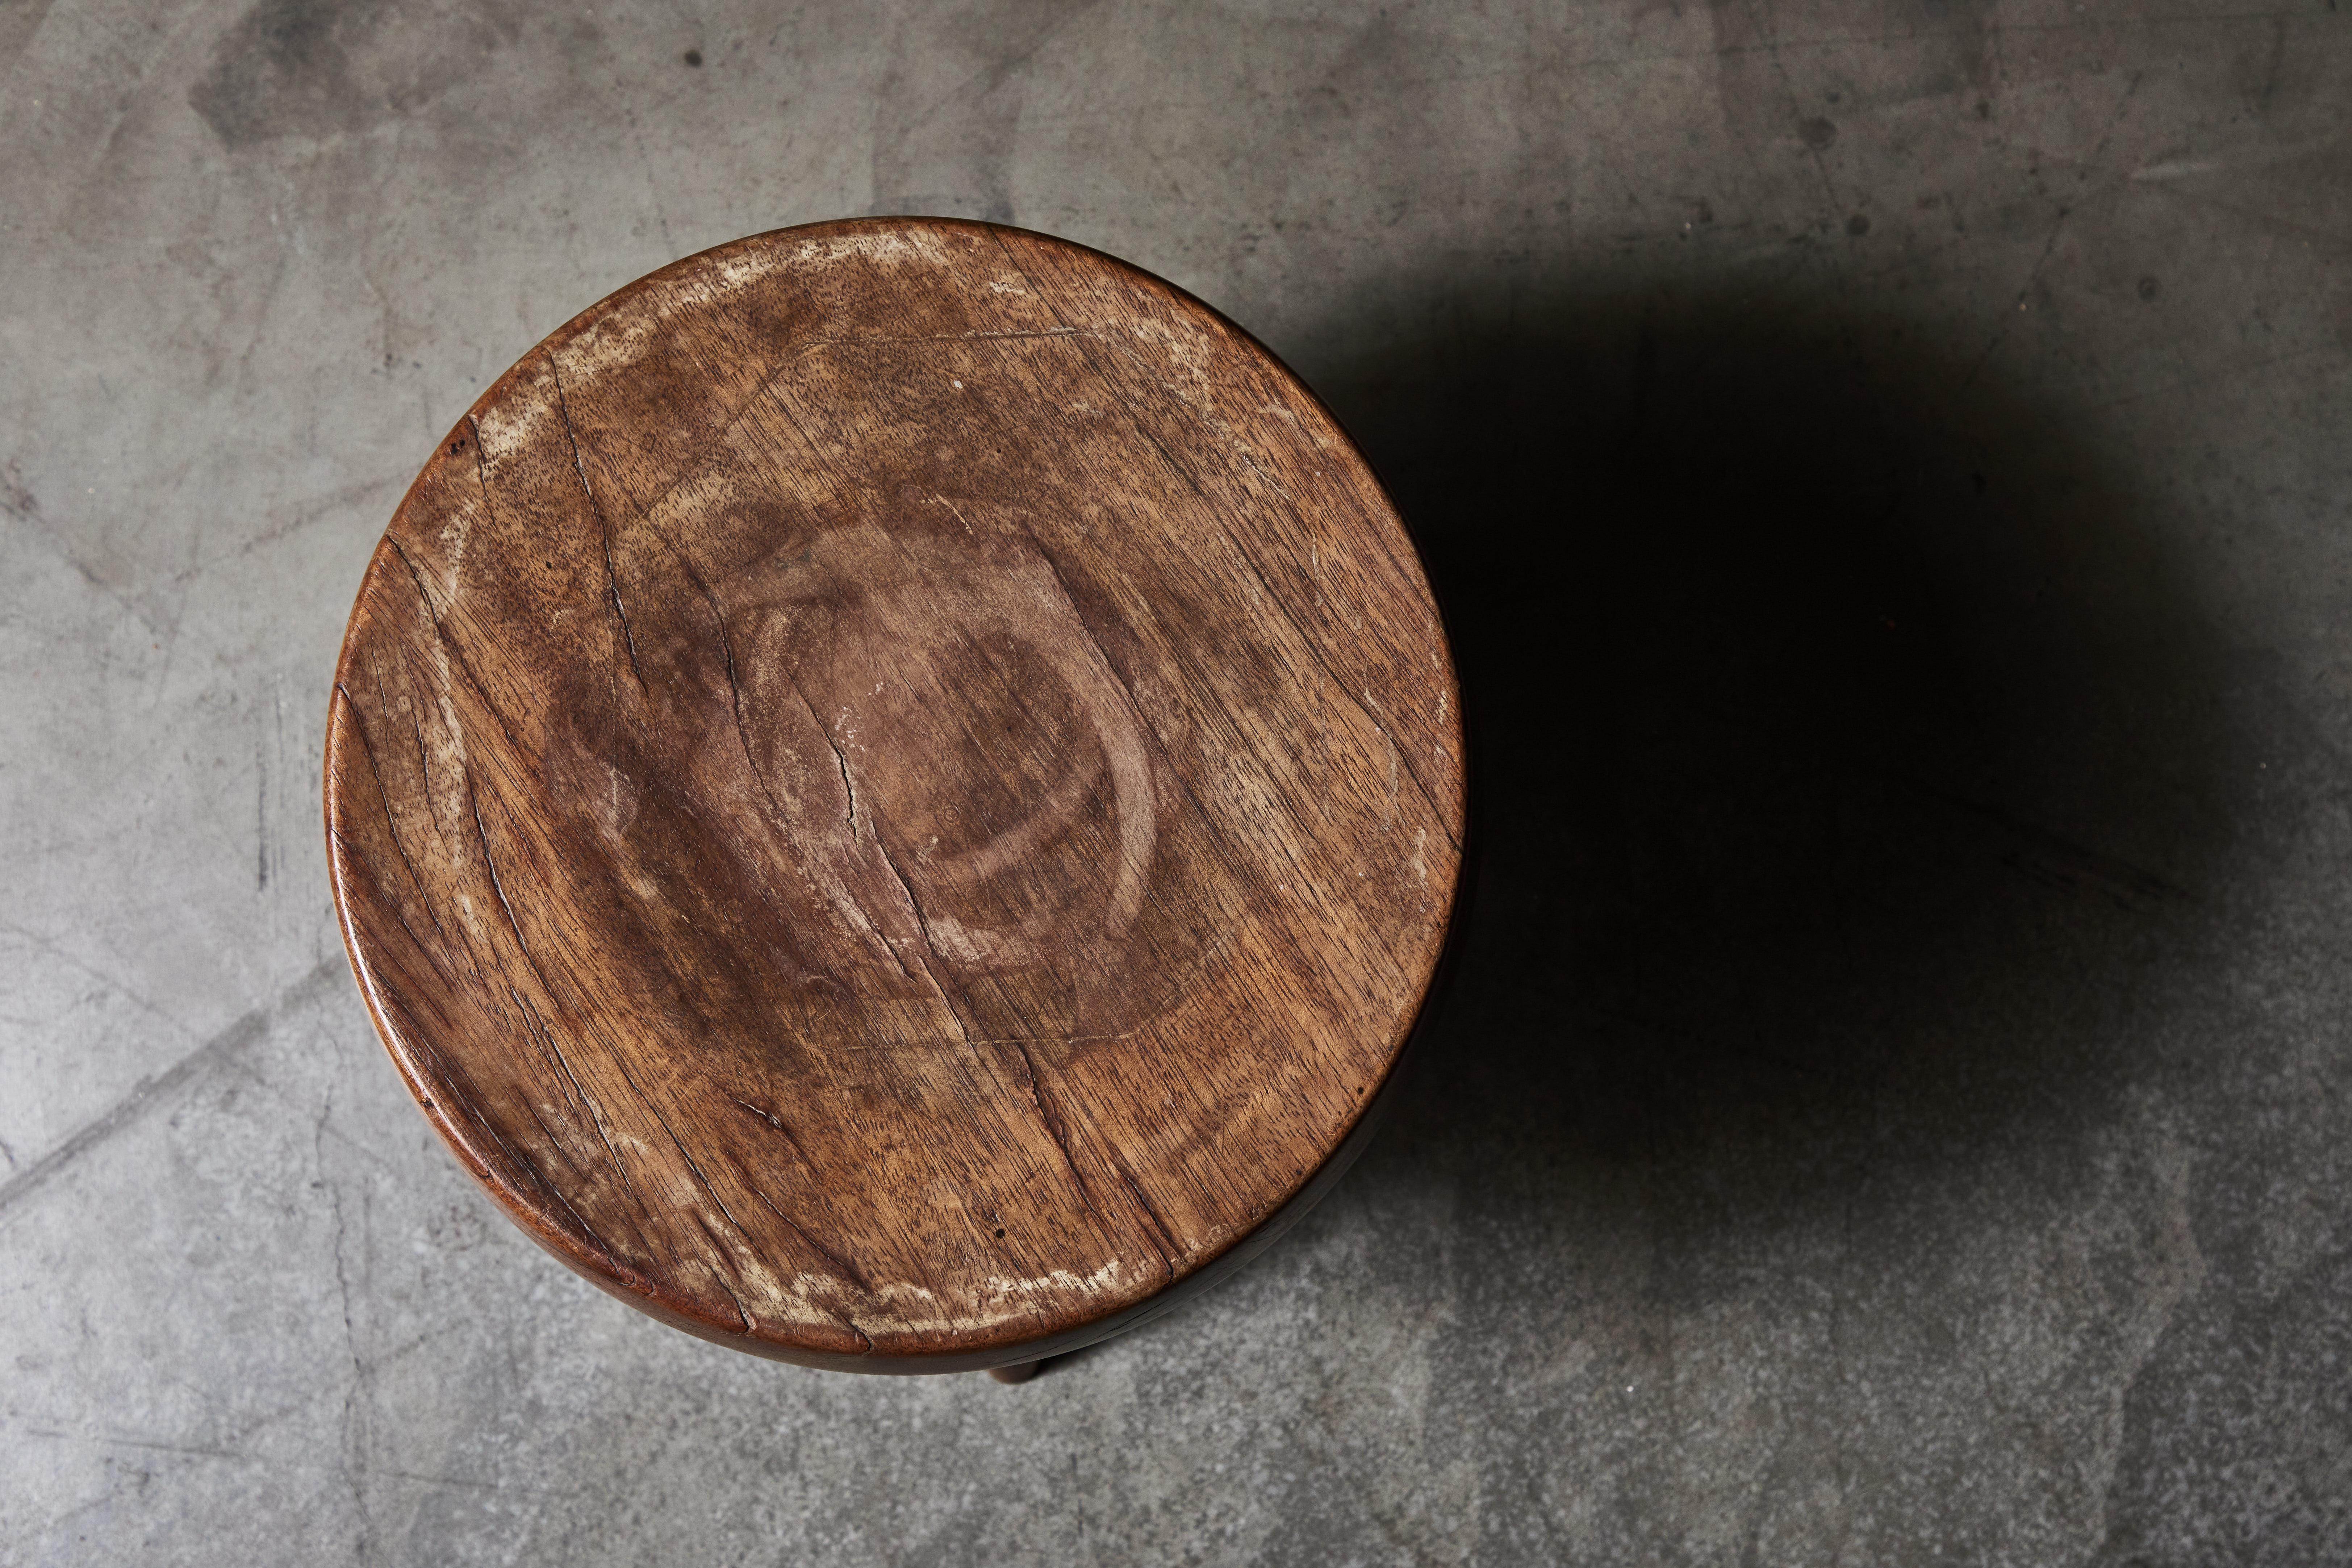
(895, 789)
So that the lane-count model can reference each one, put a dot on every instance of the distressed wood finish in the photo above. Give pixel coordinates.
(895, 789)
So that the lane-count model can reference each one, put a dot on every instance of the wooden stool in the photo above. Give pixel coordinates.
(895, 789)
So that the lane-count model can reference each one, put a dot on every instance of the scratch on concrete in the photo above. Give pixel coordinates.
(149, 1092)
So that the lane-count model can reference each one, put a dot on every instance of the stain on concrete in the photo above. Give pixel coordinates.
(1774, 75)
(20, 20)
(286, 70)
(2245, 1351)
(944, 126)
(315, 68)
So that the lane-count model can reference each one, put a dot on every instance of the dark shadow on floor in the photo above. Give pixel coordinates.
(1850, 756)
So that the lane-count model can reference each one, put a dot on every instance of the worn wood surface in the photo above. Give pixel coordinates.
(895, 789)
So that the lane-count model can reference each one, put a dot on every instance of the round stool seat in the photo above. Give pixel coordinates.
(895, 789)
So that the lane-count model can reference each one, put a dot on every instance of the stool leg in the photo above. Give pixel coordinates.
(1019, 1371)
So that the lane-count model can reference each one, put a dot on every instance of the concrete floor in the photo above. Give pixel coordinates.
(1887, 463)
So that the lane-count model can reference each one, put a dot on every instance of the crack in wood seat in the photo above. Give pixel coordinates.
(895, 789)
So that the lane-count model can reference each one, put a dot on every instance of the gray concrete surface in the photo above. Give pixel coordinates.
(1887, 463)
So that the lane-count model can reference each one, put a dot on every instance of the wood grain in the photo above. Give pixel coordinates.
(895, 789)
